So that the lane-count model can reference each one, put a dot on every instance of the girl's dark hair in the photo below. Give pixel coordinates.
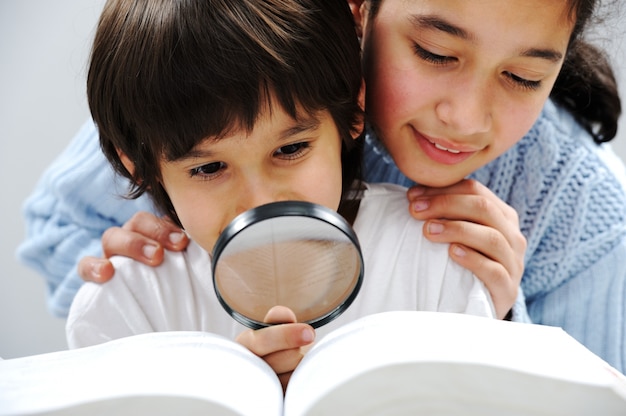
(166, 74)
(586, 85)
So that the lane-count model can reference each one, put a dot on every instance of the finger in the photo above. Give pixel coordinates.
(277, 338)
(464, 187)
(280, 315)
(94, 269)
(488, 241)
(476, 208)
(284, 361)
(484, 239)
(501, 286)
(472, 209)
(122, 242)
(160, 230)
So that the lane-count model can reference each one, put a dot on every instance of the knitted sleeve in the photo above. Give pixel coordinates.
(77, 198)
(571, 199)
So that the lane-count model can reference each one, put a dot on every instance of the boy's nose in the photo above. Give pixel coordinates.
(258, 192)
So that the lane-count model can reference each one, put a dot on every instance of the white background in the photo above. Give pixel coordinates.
(44, 46)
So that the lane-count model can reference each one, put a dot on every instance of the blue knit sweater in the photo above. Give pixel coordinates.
(568, 192)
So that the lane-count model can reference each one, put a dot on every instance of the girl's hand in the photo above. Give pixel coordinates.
(281, 346)
(143, 238)
(483, 232)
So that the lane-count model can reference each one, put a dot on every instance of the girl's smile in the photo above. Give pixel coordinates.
(442, 152)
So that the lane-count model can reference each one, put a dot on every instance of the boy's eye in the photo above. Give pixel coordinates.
(522, 82)
(292, 150)
(431, 57)
(207, 170)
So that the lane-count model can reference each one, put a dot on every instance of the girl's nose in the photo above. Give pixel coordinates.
(466, 109)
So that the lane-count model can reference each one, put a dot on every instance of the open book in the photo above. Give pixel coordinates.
(393, 363)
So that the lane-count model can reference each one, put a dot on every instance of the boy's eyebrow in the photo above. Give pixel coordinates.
(302, 125)
(421, 22)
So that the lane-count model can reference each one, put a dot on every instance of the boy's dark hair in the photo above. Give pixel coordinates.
(166, 74)
(586, 85)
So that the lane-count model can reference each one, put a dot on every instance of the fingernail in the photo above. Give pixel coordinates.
(416, 191)
(308, 335)
(149, 250)
(96, 271)
(435, 228)
(458, 251)
(421, 205)
(176, 237)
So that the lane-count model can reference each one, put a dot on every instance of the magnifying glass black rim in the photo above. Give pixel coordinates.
(281, 209)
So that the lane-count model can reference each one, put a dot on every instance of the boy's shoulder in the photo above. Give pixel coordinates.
(385, 200)
(175, 263)
(384, 189)
(141, 298)
(384, 210)
(136, 283)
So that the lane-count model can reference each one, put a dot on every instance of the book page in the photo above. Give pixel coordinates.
(164, 373)
(439, 363)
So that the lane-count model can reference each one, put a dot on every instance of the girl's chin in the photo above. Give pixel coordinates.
(437, 177)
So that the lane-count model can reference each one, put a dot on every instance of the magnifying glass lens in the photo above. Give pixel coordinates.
(303, 259)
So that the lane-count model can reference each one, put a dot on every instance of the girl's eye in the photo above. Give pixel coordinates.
(292, 151)
(522, 82)
(208, 170)
(431, 57)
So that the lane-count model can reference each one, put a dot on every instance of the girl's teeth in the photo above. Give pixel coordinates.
(440, 147)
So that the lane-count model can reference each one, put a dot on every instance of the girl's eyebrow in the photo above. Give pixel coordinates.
(430, 22)
(549, 54)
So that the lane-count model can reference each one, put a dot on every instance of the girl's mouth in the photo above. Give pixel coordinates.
(440, 147)
(440, 153)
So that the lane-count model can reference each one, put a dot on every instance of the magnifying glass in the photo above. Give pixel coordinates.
(291, 253)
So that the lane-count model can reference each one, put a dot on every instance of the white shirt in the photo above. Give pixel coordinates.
(403, 271)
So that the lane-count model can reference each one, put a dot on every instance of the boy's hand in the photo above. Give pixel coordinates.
(483, 232)
(143, 238)
(281, 346)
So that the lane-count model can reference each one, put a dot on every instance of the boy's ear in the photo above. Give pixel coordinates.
(128, 164)
(360, 125)
(357, 8)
